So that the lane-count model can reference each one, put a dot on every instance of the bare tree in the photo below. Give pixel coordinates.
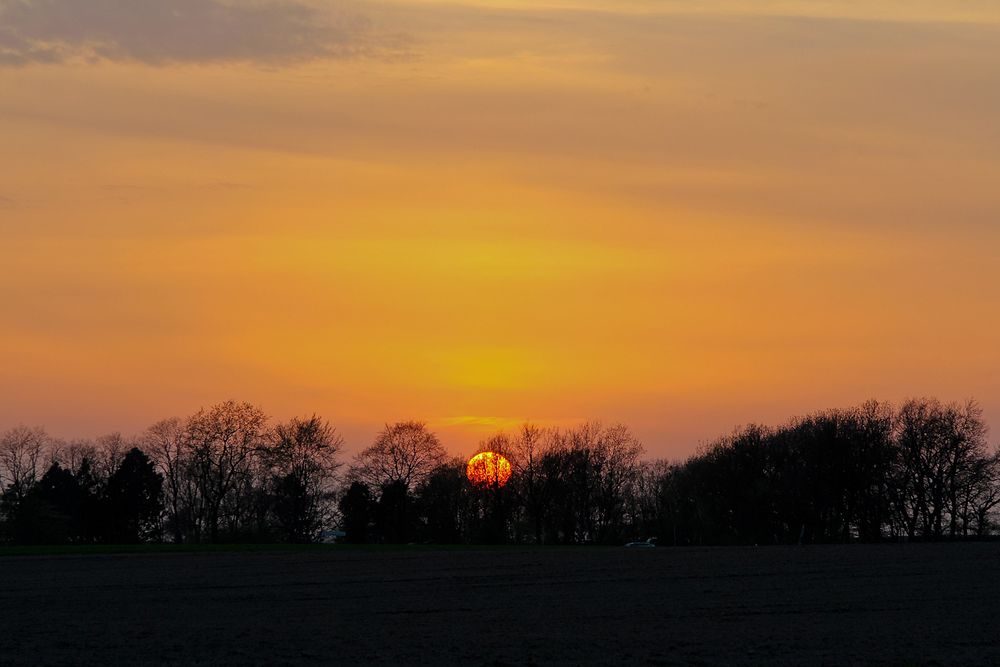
(221, 442)
(403, 453)
(619, 462)
(72, 455)
(309, 447)
(22, 452)
(980, 495)
(111, 451)
(942, 464)
(611, 457)
(589, 477)
(526, 451)
(302, 462)
(165, 442)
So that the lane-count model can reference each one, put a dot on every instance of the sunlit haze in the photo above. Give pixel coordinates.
(678, 215)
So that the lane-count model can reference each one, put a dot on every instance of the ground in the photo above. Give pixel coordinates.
(824, 605)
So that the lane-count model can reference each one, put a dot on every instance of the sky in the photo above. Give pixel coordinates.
(682, 215)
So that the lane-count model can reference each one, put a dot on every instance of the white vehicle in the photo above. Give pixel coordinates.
(331, 536)
(648, 544)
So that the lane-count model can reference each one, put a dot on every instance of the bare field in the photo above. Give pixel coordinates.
(892, 605)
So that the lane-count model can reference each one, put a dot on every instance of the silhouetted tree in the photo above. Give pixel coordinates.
(134, 500)
(403, 453)
(527, 449)
(942, 458)
(296, 510)
(589, 475)
(53, 512)
(71, 455)
(981, 495)
(442, 503)
(166, 442)
(302, 461)
(356, 510)
(220, 443)
(661, 505)
(22, 452)
(110, 451)
(394, 515)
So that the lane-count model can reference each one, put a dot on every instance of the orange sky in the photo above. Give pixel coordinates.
(679, 215)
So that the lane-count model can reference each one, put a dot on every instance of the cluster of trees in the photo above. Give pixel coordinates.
(222, 474)
(568, 487)
(85, 495)
(920, 470)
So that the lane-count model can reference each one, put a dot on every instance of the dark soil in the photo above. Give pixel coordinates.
(852, 605)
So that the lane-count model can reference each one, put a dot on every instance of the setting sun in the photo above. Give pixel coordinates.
(488, 469)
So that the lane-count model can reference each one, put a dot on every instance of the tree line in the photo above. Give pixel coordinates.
(224, 474)
(920, 470)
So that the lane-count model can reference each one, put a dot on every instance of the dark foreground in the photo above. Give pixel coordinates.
(892, 605)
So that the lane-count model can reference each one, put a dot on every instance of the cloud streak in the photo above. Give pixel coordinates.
(159, 32)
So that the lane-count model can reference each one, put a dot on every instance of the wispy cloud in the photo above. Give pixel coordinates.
(160, 32)
(482, 422)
